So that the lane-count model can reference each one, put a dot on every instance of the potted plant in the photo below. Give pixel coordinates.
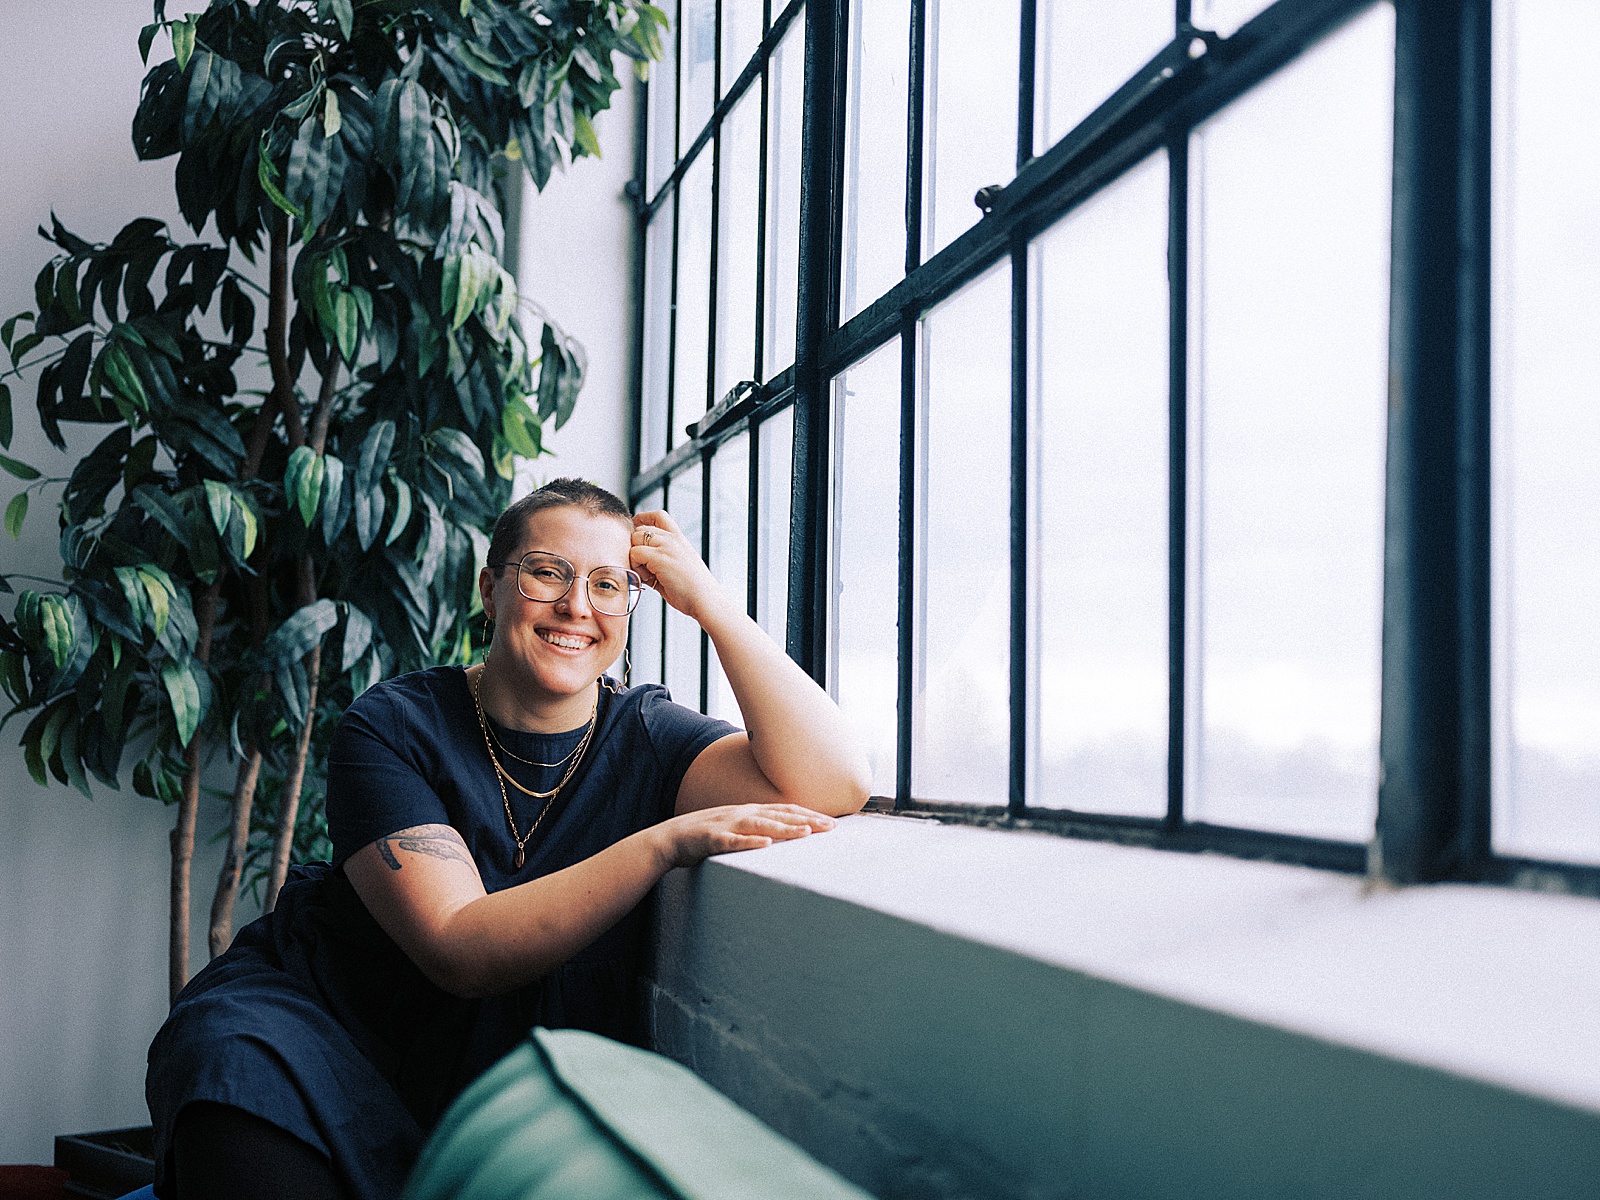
(311, 420)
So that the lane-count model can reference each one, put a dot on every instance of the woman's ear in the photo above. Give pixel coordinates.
(486, 591)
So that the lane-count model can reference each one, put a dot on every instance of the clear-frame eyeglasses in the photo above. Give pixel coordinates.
(548, 577)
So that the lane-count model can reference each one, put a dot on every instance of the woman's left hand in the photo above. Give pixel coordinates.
(667, 562)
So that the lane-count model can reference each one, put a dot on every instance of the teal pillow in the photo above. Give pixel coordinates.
(575, 1116)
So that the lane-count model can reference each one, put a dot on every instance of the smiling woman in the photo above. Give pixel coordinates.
(494, 829)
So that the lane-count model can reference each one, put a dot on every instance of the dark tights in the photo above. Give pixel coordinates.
(225, 1153)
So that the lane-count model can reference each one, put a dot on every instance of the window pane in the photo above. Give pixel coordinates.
(657, 337)
(694, 297)
(1100, 528)
(1087, 49)
(1547, 435)
(971, 111)
(875, 153)
(786, 95)
(738, 208)
(730, 551)
(961, 713)
(661, 156)
(864, 597)
(741, 35)
(699, 58)
(1226, 16)
(682, 673)
(644, 633)
(1290, 265)
(776, 436)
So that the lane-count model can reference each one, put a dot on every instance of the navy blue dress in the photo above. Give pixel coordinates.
(316, 1020)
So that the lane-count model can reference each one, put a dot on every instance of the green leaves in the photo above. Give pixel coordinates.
(382, 130)
(149, 592)
(331, 117)
(232, 518)
(335, 500)
(299, 634)
(182, 42)
(215, 84)
(117, 369)
(315, 175)
(357, 636)
(16, 513)
(522, 429)
(340, 11)
(20, 469)
(302, 481)
(267, 178)
(183, 690)
(46, 620)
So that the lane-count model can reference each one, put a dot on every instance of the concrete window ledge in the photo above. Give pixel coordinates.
(942, 1011)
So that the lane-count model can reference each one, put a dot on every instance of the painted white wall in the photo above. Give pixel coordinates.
(83, 884)
(577, 266)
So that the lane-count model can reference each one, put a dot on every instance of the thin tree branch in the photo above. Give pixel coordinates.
(294, 781)
(244, 794)
(324, 411)
(188, 814)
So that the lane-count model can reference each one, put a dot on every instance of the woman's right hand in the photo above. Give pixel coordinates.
(696, 836)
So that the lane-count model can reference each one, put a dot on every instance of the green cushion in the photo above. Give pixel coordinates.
(574, 1115)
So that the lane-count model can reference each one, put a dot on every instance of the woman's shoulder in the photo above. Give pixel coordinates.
(415, 700)
(652, 710)
(430, 687)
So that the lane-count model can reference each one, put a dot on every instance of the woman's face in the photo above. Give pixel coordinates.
(564, 645)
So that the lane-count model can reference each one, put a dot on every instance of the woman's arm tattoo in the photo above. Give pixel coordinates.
(436, 841)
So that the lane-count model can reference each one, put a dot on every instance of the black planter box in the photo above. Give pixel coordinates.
(106, 1165)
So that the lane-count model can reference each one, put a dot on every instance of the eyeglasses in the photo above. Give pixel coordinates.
(548, 577)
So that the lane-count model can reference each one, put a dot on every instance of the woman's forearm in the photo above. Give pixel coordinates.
(508, 938)
(423, 888)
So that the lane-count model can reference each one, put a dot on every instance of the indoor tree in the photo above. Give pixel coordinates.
(304, 455)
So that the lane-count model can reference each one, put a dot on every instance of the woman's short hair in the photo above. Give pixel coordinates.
(558, 493)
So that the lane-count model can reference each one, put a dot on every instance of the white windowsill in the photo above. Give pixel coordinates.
(1492, 984)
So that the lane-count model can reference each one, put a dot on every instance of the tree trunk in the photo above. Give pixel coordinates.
(244, 794)
(294, 780)
(289, 809)
(182, 859)
(244, 790)
(188, 813)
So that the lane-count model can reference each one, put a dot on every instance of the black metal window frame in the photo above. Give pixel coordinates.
(1434, 736)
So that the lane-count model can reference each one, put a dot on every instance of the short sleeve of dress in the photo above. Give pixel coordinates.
(677, 735)
(374, 785)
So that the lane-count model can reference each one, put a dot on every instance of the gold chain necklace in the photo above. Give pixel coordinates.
(502, 775)
(510, 753)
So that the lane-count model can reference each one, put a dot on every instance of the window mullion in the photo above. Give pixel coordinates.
(816, 316)
(1021, 713)
(1177, 461)
(1434, 739)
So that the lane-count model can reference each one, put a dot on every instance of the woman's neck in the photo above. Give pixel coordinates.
(515, 703)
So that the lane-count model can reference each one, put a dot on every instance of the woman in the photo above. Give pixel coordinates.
(494, 830)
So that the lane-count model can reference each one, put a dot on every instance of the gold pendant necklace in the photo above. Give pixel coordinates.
(502, 775)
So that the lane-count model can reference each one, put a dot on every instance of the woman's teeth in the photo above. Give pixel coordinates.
(565, 641)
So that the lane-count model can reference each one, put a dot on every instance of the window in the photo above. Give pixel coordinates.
(1165, 421)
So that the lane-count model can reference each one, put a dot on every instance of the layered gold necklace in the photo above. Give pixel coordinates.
(502, 776)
